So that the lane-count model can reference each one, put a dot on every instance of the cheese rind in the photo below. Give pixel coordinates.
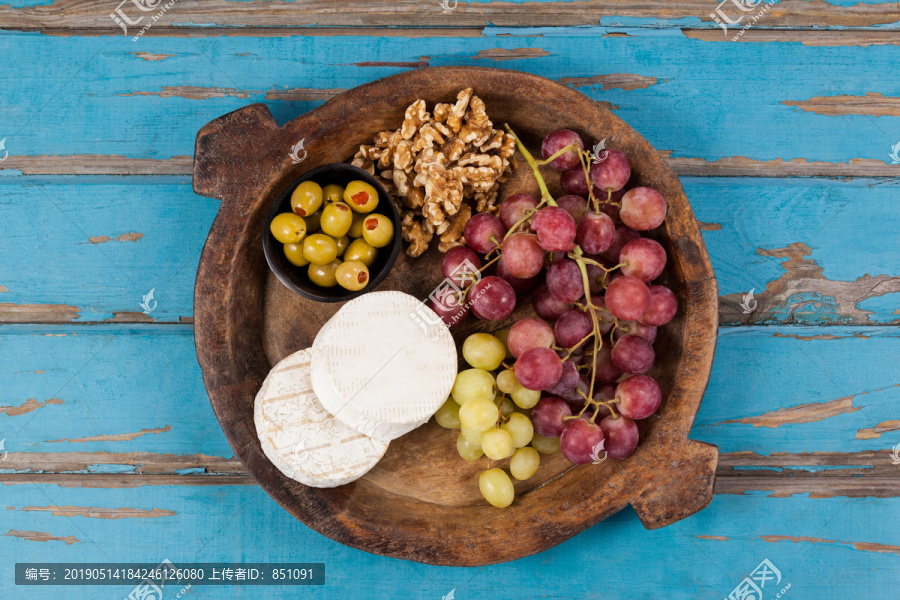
(383, 364)
(303, 439)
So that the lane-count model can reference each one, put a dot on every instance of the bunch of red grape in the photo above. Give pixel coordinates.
(593, 274)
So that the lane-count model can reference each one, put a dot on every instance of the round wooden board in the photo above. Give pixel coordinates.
(421, 502)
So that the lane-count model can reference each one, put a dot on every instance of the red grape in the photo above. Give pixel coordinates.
(605, 319)
(639, 396)
(626, 297)
(454, 269)
(611, 209)
(522, 255)
(579, 439)
(574, 398)
(620, 436)
(547, 306)
(611, 171)
(574, 182)
(547, 416)
(564, 281)
(491, 299)
(480, 229)
(606, 392)
(663, 306)
(572, 327)
(595, 233)
(643, 258)
(520, 286)
(555, 229)
(574, 205)
(643, 209)
(538, 368)
(556, 141)
(514, 210)
(445, 303)
(633, 354)
(624, 234)
(567, 381)
(604, 369)
(595, 277)
(637, 328)
(527, 334)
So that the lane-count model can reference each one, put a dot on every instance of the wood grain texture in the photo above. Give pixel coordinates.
(704, 556)
(92, 14)
(140, 116)
(229, 327)
(813, 250)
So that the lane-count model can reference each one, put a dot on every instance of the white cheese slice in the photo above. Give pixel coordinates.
(383, 364)
(301, 438)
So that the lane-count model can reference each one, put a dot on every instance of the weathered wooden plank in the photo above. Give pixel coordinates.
(778, 397)
(141, 116)
(813, 251)
(802, 538)
(93, 14)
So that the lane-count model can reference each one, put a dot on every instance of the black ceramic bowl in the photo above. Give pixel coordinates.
(296, 278)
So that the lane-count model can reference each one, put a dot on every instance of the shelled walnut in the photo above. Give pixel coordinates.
(441, 168)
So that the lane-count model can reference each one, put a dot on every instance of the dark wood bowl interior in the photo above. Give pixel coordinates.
(421, 502)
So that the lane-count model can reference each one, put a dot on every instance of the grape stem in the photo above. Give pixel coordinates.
(572, 350)
(557, 154)
(584, 157)
(545, 193)
(528, 214)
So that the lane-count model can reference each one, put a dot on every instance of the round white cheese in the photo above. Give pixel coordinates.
(383, 364)
(301, 438)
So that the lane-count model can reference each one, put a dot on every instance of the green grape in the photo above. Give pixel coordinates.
(471, 384)
(520, 429)
(506, 406)
(447, 416)
(497, 444)
(496, 488)
(524, 463)
(545, 445)
(466, 450)
(506, 381)
(502, 335)
(525, 398)
(483, 351)
(478, 414)
(471, 436)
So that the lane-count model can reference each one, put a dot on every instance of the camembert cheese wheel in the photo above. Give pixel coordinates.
(301, 438)
(383, 364)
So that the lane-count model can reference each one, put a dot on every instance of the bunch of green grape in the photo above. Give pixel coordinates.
(493, 413)
(333, 232)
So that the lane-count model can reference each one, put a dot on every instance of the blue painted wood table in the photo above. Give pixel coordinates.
(782, 119)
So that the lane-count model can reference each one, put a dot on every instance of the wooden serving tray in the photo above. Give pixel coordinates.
(422, 502)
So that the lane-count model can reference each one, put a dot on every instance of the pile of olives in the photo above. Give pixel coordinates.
(333, 232)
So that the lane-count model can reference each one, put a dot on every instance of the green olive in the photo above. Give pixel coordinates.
(336, 219)
(312, 222)
(333, 192)
(288, 228)
(352, 275)
(306, 198)
(324, 275)
(319, 249)
(378, 231)
(357, 225)
(342, 243)
(360, 196)
(361, 251)
(294, 254)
